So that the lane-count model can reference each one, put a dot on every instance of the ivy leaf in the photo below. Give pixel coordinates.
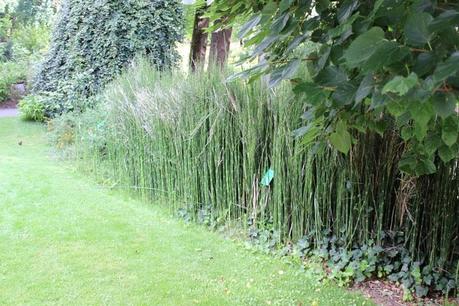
(417, 29)
(421, 291)
(363, 47)
(446, 69)
(341, 139)
(450, 130)
(401, 85)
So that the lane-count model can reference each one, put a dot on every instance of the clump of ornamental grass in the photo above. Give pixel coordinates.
(226, 151)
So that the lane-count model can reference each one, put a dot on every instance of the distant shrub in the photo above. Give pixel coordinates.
(94, 41)
(29, 39)
(32, 108)
(10, 73)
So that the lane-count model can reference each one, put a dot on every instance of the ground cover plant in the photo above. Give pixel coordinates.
(225, 152)
(67, 240)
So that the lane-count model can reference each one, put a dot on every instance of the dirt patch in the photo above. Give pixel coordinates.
(386, 293)
(9, 104)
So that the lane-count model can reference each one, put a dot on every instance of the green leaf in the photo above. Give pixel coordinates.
(285, 72)
(444, 104)
(447, 154)
(432, 143)
(401, 85)
(445, 20)
(385, 54)
(322, 5)
(396, 108)
(450, 130)
(344, 94)
(279, 23)
(314, 94)
(346, 10)
(421, 112)
(341, 139)
(417, 31)
(249, 25)
(425, 64)
(363, 47)
(284, 5)
(331, 76)
(446, 69)
(365, 88)
(425, 167)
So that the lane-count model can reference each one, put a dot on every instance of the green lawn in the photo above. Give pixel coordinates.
(65, 240)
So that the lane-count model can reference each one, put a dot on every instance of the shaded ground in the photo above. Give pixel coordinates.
(8, 104)
(66, 241)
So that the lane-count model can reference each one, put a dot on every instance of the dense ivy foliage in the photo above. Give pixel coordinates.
(94, 40)
(378, 66)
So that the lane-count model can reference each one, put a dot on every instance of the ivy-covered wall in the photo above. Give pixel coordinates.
(94, 40)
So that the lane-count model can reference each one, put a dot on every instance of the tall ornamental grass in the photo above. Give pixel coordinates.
(206, 145)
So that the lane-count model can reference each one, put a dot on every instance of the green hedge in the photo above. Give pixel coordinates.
(94, 40)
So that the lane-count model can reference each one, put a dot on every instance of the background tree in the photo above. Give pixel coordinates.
(199, 38)
(94, 41)
(220, 45)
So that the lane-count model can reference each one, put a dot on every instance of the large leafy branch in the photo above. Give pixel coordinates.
(376, 66)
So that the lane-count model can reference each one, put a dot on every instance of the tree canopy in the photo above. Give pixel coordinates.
(386, 65)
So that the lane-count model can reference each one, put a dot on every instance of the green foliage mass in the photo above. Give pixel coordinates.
(34, 11)
(224, 153)
(379, 66)
(94, 41)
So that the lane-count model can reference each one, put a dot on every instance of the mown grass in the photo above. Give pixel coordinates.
(66, 240)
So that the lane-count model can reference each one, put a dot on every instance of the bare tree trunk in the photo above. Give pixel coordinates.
(199, 40)
(220, 46)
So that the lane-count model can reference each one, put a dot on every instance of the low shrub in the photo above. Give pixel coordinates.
(10, 73)
(31, 108)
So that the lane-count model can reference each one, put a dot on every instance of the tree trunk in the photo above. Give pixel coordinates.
(199, 40)
(220, 46)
